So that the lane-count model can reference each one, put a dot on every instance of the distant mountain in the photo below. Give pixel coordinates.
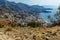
(21, 6)
(41, 9)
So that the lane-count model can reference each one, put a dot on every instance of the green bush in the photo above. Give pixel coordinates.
(13, 24)
(1, 25)
(34, 24)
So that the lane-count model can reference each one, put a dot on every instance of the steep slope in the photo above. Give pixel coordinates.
(21, 13)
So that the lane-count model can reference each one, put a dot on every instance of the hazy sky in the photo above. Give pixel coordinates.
(39, 2)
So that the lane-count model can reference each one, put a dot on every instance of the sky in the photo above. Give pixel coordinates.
(39, 2)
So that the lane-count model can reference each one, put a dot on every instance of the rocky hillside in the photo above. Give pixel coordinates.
(21, 13)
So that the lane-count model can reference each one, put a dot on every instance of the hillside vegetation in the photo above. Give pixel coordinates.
(7, 32)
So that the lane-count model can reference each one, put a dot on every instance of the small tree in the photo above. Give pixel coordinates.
(49, 17)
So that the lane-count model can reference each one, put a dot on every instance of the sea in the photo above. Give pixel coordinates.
(53, 11)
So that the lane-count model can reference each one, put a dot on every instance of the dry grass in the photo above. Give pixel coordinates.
(29, 33)
(3, 21)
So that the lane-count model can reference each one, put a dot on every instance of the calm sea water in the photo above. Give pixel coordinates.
(44, 15)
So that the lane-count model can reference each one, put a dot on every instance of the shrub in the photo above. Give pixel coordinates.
(55, 23)
(13, 24)
(18, 24)
(34, 24)
(1, 25)
(9, 29)
(58, 22)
